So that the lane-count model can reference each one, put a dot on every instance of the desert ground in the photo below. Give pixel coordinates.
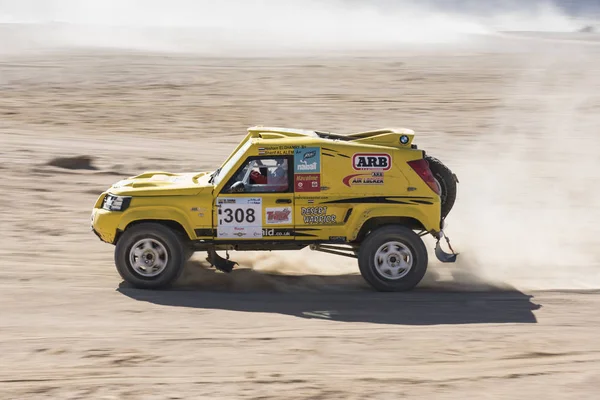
(517, 317)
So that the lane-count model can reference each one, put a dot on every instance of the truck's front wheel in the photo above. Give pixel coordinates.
(393, 259)
(149, 256)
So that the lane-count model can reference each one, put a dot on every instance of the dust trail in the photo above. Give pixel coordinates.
(277, 271)
(271, 27)
(529, 199)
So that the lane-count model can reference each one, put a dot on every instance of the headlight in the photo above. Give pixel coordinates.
(115, 203)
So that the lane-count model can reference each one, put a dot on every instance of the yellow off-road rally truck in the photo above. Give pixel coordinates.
(369, 195)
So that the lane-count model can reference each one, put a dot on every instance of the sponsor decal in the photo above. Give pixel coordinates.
(313, 210)
(307, 182)
(337, 238)
(278, 215)
(269, 232)
(226, 201)
(317, 215)
(307, 168)
(312, 167)
(373, 178)
(320, 219)
(277, 232)
(237, 217)
(372, 161)
(228, 232)
(307, 160)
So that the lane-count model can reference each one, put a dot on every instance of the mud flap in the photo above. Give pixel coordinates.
(441, 254)
(219, 262)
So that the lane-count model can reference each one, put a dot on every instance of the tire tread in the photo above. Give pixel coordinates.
(173, 244)
(385, 234)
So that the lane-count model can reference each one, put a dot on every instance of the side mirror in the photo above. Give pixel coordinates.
(238, 187)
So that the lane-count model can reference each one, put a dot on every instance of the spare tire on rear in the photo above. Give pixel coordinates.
(447, 180)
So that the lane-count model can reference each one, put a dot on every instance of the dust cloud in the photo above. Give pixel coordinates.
(529, 197)
(267, 27)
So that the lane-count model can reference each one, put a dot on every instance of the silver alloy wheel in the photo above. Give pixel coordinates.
(393, 260)
(148, 257)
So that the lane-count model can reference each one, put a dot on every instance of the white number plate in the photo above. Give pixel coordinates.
(239, 217)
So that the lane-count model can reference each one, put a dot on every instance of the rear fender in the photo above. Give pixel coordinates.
(425, 217)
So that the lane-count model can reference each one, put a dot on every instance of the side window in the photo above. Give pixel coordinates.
(261, 175)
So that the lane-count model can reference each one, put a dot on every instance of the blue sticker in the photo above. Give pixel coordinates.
(307, 161)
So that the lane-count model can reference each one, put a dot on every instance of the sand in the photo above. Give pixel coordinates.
(516, 318)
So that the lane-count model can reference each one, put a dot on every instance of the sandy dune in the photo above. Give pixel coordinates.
(292, 326)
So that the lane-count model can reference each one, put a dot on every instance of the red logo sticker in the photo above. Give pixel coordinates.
(279, 215)
(307, 182)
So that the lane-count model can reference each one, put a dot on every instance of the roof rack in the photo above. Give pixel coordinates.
(381, 131)
(329, 135)
(292, 131)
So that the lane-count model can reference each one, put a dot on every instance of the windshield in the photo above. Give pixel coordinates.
(224, 170)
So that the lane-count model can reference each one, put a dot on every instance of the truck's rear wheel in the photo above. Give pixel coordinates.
(149, 256)
(447, 182)
(393, 259)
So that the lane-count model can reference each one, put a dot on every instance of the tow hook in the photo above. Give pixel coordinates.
(441, 254)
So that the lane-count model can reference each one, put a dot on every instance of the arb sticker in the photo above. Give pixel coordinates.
(373, 178)
(278, 215)
(372, 161)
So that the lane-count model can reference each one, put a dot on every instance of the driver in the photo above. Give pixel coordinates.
(256, 178)
(278, 177)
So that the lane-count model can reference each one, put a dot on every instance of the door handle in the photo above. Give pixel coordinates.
(279, 201)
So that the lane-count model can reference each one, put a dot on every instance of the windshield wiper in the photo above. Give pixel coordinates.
(214, 175)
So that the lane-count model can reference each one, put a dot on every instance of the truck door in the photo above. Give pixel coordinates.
(257, 203)
(316, 216)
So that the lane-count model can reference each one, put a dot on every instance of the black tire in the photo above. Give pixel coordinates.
(377, 239)
(173, 245)
(447, 180)
(188, 252)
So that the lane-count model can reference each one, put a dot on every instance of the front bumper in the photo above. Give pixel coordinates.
(104, 224)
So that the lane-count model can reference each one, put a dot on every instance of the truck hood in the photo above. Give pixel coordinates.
(161, 183)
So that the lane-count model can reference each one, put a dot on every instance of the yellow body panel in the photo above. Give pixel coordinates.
(336, 184)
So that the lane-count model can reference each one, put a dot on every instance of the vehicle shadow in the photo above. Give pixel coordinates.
(345, 298)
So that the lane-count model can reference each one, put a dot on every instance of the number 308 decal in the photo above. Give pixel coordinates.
(240, 215)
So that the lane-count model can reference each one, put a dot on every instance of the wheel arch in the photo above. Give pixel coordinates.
(377, 222)
(174, 225)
